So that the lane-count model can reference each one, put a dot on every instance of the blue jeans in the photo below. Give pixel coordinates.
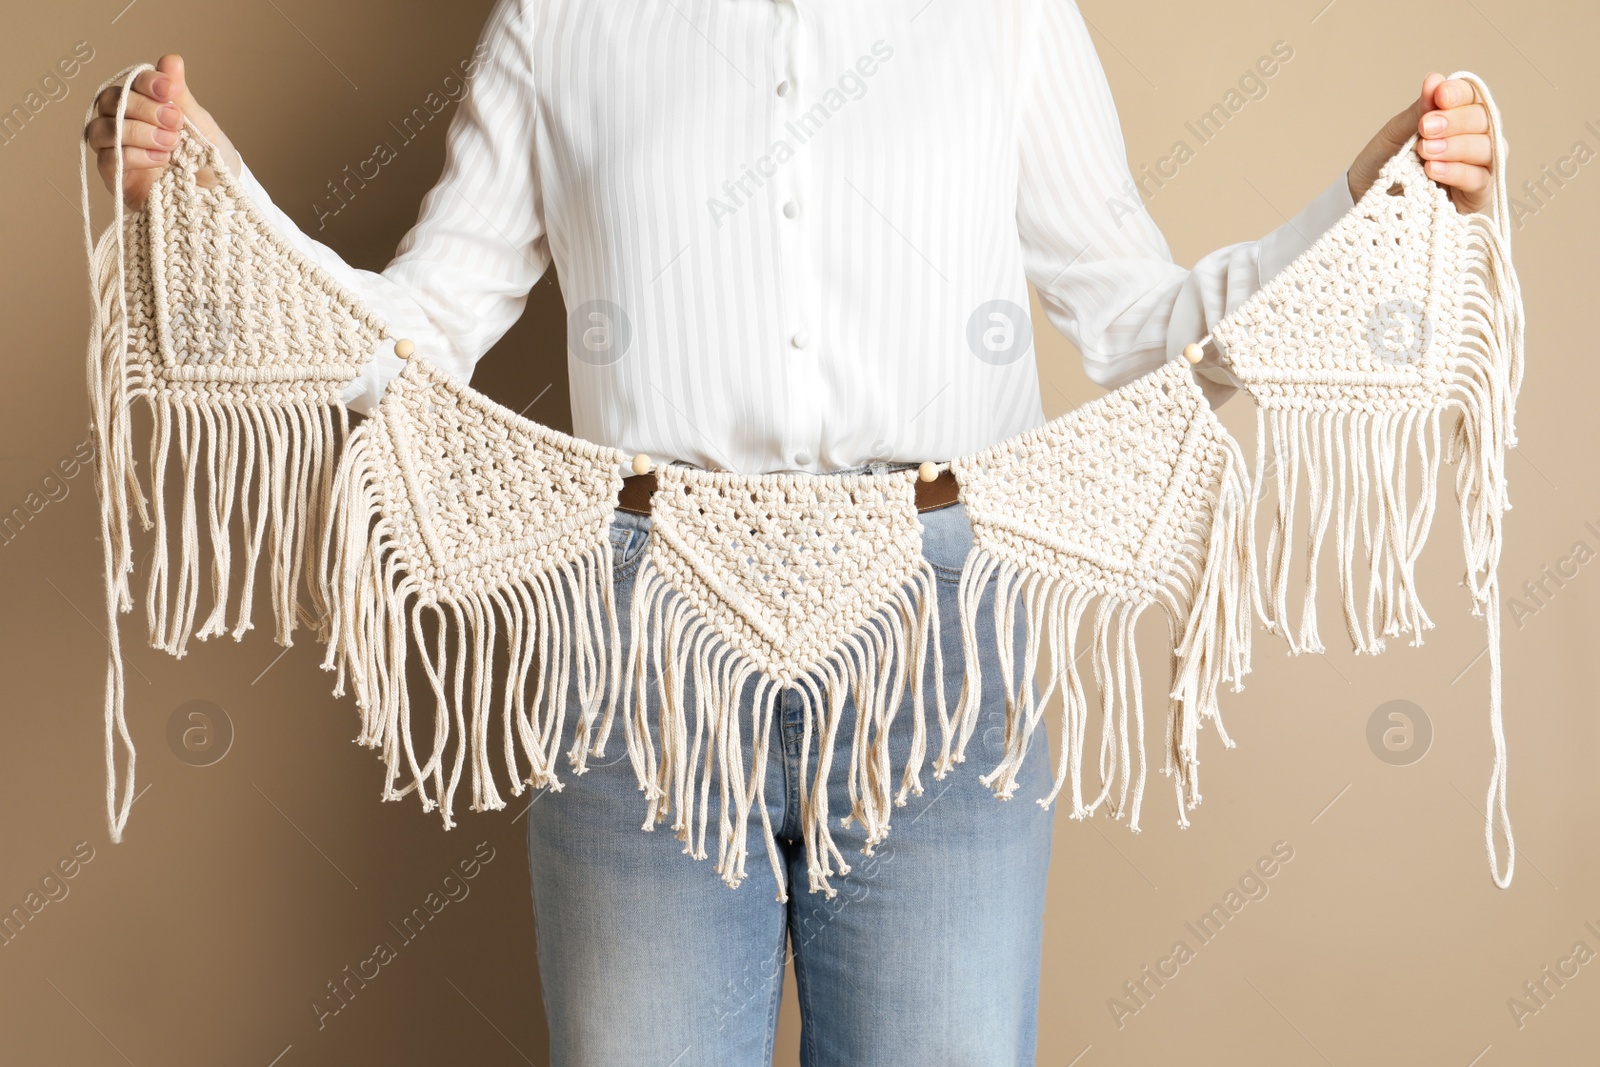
(928, 956)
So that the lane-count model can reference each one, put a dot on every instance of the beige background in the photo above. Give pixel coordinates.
(245, 886)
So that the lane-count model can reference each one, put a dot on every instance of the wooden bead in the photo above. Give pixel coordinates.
(928, 471)
(404, 347)
(1193, 352)
(641, 464)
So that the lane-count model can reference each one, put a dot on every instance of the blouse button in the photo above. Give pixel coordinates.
(800, 339)
(783, 88)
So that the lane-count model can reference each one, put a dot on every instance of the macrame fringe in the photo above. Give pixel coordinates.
(287, 451)
(697, 673)
(1207, 600)
(1355, 467)
(559, 630)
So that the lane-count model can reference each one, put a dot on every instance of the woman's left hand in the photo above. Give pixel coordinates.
(1453, 143)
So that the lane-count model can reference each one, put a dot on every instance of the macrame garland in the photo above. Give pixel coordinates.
(816, 582)
(1137, 498)
(239, 351)
(1403, 311)
(459, 528)
(450, 532)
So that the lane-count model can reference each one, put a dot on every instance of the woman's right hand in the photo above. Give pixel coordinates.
(157, 105)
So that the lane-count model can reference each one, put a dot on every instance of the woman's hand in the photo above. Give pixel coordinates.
(1454, 143)
(157, 104)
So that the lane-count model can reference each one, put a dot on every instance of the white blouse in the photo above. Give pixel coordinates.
(797, 234)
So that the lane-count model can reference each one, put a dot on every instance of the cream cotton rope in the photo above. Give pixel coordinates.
(1404, 310)
(448, 534)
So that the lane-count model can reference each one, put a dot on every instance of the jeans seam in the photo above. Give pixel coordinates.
(808, 1019)
(775, 997)
(533, 893)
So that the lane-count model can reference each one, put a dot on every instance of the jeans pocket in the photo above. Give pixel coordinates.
(946, 540)
(627, 547)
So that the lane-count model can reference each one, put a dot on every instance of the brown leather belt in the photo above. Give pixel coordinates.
(638, 488)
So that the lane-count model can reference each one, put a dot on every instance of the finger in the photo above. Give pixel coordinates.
(1453, 93)
(1471, 118)
(102, 134)
(1471, 148)
(159, 84)
(133, 160)
(1430, 86)
(143, 109)
(153, 85)
(171, 66)
(177, 85)
(142, 169)
(1440, 93)
(1463, 176)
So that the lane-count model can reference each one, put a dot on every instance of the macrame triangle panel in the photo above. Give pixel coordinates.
(472, 542)
(774, 580)
(1137, 498)
(1403, 312)
(238, 349)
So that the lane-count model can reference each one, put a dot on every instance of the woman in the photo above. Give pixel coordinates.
(798, 236)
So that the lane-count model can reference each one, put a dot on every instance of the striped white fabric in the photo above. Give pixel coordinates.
(797, 234)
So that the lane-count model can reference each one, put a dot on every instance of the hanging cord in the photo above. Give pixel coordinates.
(1489, 591)
(108, 397)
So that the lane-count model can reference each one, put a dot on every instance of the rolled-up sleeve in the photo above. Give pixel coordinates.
(461, 275)
(1102, 268)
